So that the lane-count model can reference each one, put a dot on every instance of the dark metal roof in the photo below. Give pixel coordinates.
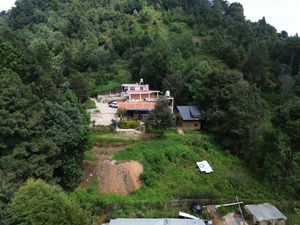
(190, 113)
(164, 221)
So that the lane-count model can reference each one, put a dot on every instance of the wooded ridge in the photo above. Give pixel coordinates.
(56, 54)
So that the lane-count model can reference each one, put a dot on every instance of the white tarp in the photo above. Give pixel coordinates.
(186, 215)
(204, 166)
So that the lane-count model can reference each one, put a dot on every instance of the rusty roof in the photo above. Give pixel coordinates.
(137, 106)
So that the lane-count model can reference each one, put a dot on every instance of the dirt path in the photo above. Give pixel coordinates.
(118, 177)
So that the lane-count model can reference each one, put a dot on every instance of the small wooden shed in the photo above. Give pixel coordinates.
(189, 117)
(265, 214)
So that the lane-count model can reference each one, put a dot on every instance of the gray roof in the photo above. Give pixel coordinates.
(164, 221)
(190, 113)
(264, 212)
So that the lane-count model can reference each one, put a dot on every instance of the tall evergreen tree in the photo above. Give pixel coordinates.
(233, 108)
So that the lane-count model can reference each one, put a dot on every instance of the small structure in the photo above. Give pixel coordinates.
(164, 221)
(204, 167)
(128, 132)
(145, 95)
(140, 100)
(134, 87)
(92, 111)
(265, 214)
(189, 117)
(137, 110)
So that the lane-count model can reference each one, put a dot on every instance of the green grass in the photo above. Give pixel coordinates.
(94, 185)
(100, 136)
(89, 157)
(170, 172)
(111, 85)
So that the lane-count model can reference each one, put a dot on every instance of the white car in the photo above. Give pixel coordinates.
(113, 104)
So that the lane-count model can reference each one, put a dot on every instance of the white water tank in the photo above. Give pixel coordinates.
(168, 94)
(141, 81)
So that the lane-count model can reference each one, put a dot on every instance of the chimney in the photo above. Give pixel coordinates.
(142, 81)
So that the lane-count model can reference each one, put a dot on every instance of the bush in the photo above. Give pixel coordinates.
(130, 124)
(177, 27)
(121, 112)
(37, 202)
(89, 104)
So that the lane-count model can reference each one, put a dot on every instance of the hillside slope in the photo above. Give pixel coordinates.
(244, 75)
(170, 173)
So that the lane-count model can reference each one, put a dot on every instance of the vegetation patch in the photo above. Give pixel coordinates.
(170, 172)
(129, 124)
(89, 104)
(108, 137)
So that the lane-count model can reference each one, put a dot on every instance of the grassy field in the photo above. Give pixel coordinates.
(104, 136)
(170, 172)
(170, 167)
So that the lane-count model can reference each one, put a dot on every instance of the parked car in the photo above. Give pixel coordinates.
(113, 104)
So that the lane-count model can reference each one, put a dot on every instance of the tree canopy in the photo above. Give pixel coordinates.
(37, 203)
(160, 118)
(55, 55)
(233, 107)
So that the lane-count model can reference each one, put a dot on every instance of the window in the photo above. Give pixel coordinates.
(141, 88)
(196, 124)
(132, 88)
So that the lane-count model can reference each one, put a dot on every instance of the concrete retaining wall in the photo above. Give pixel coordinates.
(128, 132)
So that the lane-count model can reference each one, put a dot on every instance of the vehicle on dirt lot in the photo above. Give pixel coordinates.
(113, 104)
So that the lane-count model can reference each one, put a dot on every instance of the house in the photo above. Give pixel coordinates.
(265, 214)
(189, 117)
(134, 87)
(143, 95)
(137, 110)
(140, 100)
(165, 221)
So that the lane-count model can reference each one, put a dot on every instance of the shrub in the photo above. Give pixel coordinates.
(37, 202)
(129, 124)
(89, 104)
(121, 112)
(176, 27)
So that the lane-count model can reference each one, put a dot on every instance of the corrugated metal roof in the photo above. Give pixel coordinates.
(165, 221)
(264, 212)
(189, 113)
(137, 106)
(195, 112)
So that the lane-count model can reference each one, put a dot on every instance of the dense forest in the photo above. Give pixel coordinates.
(55, 54)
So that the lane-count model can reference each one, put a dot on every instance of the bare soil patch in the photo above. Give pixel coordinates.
(229, 219)
(118, 177)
